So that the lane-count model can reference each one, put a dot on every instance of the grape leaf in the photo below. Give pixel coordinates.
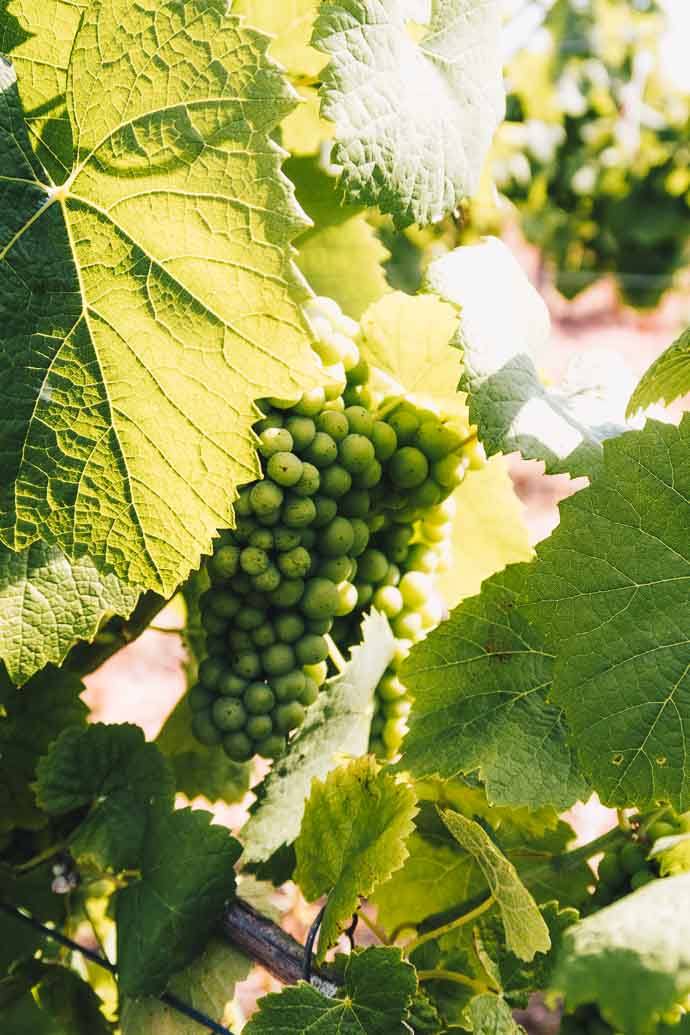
(208, 984)
(378, 986)
(491, 1015)
(200, 770)
(667, 379)
(525, 930)
(47, 603)
(336, 726)
(480, 683)
(414, 121)
(119, 776)
(165, 919)
(32, 892)
(290, 23)
(170, 237)
(609, 596)
(30, 719)
(508, 402)
(353, 836)
(632, 958)
(490, 534)
(68, 1000)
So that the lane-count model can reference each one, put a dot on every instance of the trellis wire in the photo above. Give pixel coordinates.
(167, 997)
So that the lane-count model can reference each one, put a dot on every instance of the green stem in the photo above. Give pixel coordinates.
(623, 821)
(452, 975)
(373, 927)
(392, 404)
(44, 856)
(335, 655)
(437, 932)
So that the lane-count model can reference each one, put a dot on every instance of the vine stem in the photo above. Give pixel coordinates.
(373, 927)
(36, 860)
(452, 975)
(466, 918)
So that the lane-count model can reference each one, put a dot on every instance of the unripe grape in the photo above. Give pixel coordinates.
(320, 598)
(244, 528)
(365, 593)
(204, 729)
(290, 686)
(238, 747)
(310, 692)
(323, 450)
(404, 423)
(309, 483)
(428, 494)
(373, 565)
(337, 538)
(474, 455)
(393, 733)
(262, 538)
(247, 664)
(437, 440)
(294, 563)
(356, 453)
(347, 599)
(360, 537)
(390, 687)
(199, 698)
(632, 857)
(266, 497)
(271, 747)
(408, 467)
(392, 576)
(335, 481)
(360, 420)
(259, 727)
(326, 509)
(268, 580)
(302, 430)
(254, 561)
(228, 714)
(286, 538)
(335, 568)
(422, 558)
(450, 471)
(289, 627)
(278, 659)
(370, 477)
(397, 709)
(319, 673)
(319, 626)
(408, 625)
(311, 649)
(334, 424)
(311, 402)
(402, 649)
(416, 588)
(641, 877)
(384, 440)
(215, 646)
(243, 503)
(431, 612)
(264, 635)
(298, 513)
(436, 533)
(285, 469)
(288, 716)
(210, 672)
(223, 564)
(355, 503)
(388, 599)
(288, 593)
(231, 685)
(611, 872)
(239, 640)
(275, 440)
(222, 603)
(269, 520)
(259, 699)
(214, 625)
(250, 618)
(272, 420)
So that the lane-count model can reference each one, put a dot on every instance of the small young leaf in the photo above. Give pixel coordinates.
(491, 1015)
(30, 720)
(337, 725)
(667, 379)
(414, 121)
(632, 958)
(355, 827)
(114, 771)
(378, 987)
(47, 603)
(526, 932)
(165, 919)
(208, 984)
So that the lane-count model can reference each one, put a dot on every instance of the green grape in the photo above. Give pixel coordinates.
(295, 563)
(289, 627)
(337, 538)
(264, 635)
(319, 672)
(347, 599)
(262, 538)
(311, 649)
(360, 537)
(254, 560)
(290, 686)
(397, 709)
(336, 481)
(360, 420)
(286, 538)
(611, 872)
(426, 495)
(431, 612)
(392, 576)
(422, 558)
(239, 640)
(377, 725)
(273, 420)
(308, 538)
(320, 626)
(437, 440)
(288, 716)
(373, 565)
(661, 829)
(298, 513)
(278, 659)
(231, 685)
(370, 477)
(204, 729)
(402, 649)
(269, 520)
(326, 510)
(442, 513)
(199, 698)
(393, 733)
(266, 497)
(384, 440)
(408, 625)
(275, 440)
(359, 373)
(215, 645)
(259, 699)
(408, 467)
(228, 714)
(641, 877)
(210, 672)
(335, 568)
(355, 503)
(223, 564)
(311, 402)
(285, 469)
(334, 424)
(259, 727)
(268, 580)
(222, 603)
(474, 455)
(633, 857)
(243, 503)
(271, 747)
(389, 600)
(215, 626)
(302, 430)
(244, 528)
(356, 453)
(390, 687)
(436, 533)
(310, 692)
(450, 471)
(250, 618)
(310, 482)
(323, 451)
(288, 593)
(320, 599)
(247, 664)
(238, 747)
(404, 423)
(416, 588)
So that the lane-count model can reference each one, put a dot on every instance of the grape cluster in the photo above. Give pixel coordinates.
(352, 511)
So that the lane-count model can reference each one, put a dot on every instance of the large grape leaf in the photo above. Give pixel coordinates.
(481, 682)
(336, 726)
(504, 324)
(165, 919)
(378, 986)
(668, 377)
(48, 602)
(291, 24)
(414, 121)
(146, 301)
(353, 836)
(633, 958)
(30, 720)
(609, 596)
(491, 1015)
(525, 930)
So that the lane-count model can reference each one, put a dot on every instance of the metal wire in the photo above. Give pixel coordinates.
(167, 997)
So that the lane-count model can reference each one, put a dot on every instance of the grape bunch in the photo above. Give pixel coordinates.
(353, 511)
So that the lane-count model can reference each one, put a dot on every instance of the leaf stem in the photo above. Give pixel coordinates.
(623, 821)
(466, 918)
(44, 856)
(451, 975)
(373, 927)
